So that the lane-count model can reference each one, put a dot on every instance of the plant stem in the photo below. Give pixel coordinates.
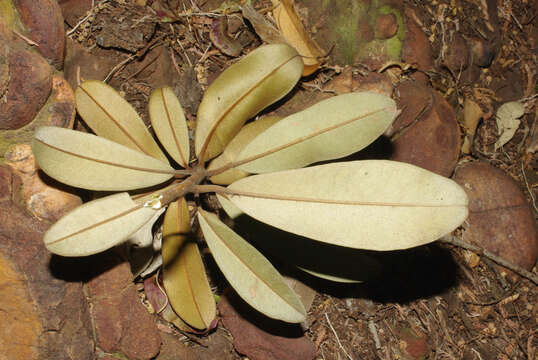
(182, 173)
(210, 188)
(483, 252)
(177, 191)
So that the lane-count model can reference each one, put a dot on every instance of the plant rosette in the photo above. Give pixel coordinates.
(260, 169)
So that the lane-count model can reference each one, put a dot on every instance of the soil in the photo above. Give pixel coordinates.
(434, 302)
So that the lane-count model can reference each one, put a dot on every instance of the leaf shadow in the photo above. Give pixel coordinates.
(381, 149)
(84, 269)
(257, 319)
(389, 276)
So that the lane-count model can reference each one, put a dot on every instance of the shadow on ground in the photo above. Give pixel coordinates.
(390, 276)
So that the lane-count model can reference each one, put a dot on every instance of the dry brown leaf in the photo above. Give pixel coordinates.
(472, 113)
(293, 30)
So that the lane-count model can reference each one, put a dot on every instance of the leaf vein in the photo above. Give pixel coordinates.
(122, 128)
(100, 161)
(251, 269)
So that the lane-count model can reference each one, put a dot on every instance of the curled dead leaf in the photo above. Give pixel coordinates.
(292, 29)
(472, 113)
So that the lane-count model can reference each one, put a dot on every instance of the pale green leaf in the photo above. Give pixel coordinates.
(331, 129)
(229, 208)
(372, 204)
(168, 121)
(112, 117)
(331, 262)
(238, 143)
(144, 249)
(305, 293)
(97, 226)
(330, 277)
(249, 272)
(241, 91)
(184, 275)
(91, 162)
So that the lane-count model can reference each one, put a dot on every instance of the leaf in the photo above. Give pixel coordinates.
(184, 275)
(168, 121)
(97, 226)
(229, 208)
(373, 204)
(303, 291)
(263, 27)
(90, 162)
(220, 38)
(508, 121)
(144, 249)
(250, 273)
(333, 128)
(111, 117)
(330, 277)
(472, 113)
(236, 145)
(240, 92)
(294, 32)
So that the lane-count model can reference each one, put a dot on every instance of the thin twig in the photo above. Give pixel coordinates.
(27, 39)
(163, 306)
(210, 188)
(529, 188)
(90, 13)
(373, 330)
(503, 262)
(336, 335)
(117, 67)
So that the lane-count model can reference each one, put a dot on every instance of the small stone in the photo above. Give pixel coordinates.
(426, 134)
(30, 83)
(386, 26)
(45, 24)
(413, 343)
(500, 219)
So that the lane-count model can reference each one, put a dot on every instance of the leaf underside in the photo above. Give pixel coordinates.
(112, 117)
(97, 226)
(331, 129)
(168, 121)
(236, 145)
(373, 204)
(91, 162)
(184, 275)
(249, 272)
(240, 92)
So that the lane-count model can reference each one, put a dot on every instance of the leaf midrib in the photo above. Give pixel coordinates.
(114, 121)
(172, 129)
(136, 168)
(249, 267)
(235, 103)
(232, 193)
(291, 143)
(180, 209)
(95, 225)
